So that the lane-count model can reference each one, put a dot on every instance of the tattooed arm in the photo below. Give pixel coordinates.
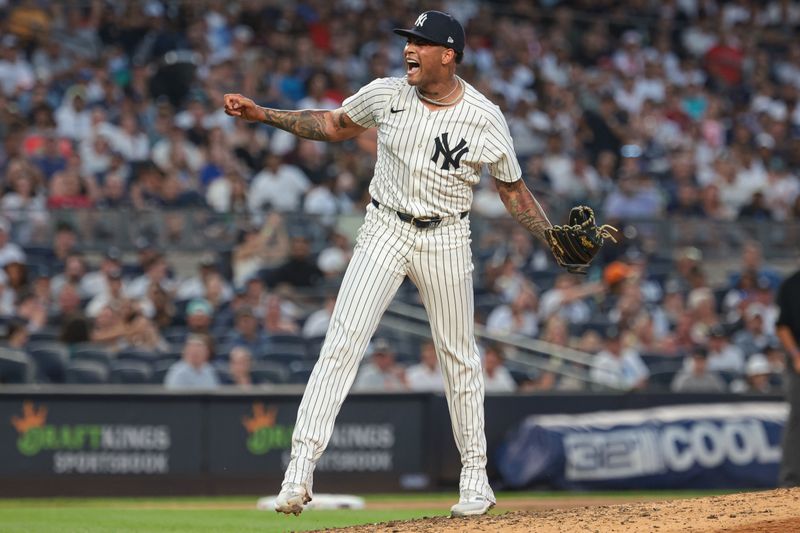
(314, 124)
(519, 201)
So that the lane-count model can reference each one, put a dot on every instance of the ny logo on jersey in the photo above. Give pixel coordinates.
(451, 156)
(421, 19)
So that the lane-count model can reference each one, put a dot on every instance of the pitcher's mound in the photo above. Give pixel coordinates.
(768, 511)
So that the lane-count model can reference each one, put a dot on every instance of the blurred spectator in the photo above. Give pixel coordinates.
(300, 270)
(96, 282)
(16, 336)
(246, 332)
(259, 248)
(193, 371)
(496, 377)
(156, 272)
(7, 296)
(698, 378)
(617, 366)
(316, 325)
(112, 295)
(757, 376)
(277, 317)
(567, 298)
(752, 338)
(9, 251)
(722, 355)
(753, 262)
(381, 373)
(425, 375)
(239, 366)
(197, 286)
(278, 187)
(199, 316)
(518, 317)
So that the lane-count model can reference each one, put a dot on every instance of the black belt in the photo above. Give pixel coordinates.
(420, 222)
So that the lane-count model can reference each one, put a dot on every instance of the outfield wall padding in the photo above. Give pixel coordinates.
(103, 441)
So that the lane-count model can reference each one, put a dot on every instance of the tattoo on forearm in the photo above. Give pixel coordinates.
(309, 124)
(523, 206)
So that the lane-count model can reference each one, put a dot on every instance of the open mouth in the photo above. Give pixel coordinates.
(413, 66)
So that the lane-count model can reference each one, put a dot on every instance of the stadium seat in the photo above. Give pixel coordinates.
(92, 354)
(269, 372)
(271, 348)
(282, 358)
(86, 372)
(134, 372)
(300, 371)
(660, 380)
(136, 354)
(160, 369)
(654, 360)
(287, 343)
(50, 359)
(314, 346)
(15, 366)
(46, 334)
(175, 335)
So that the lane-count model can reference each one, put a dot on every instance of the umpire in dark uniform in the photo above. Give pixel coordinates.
(788, 329)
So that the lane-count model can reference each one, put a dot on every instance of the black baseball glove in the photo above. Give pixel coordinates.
(575, 245)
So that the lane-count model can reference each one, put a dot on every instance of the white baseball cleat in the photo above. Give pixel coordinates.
(471, 504)
(292, 498)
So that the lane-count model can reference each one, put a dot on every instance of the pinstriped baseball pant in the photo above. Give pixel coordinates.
(439, 262)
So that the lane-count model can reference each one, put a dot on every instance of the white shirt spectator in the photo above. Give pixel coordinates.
(181, 375)
(72, 123)
(729, 358)
(421, 377)
(282, 190)
(316, 324)
(501, 322)
(622, 372)
(15, 75)
(500, 381)
(11, 253)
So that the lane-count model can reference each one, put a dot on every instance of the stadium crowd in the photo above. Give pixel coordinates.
(681, 110)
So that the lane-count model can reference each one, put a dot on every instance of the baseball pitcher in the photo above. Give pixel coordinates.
(435, 134)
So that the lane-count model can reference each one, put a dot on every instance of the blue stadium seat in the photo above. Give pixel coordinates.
(15, 366)
(271, 348)
(160, 369)
(86, 372)
(660, 380)
(95, 354)
(300, 371)
(314, 346)
(46, 334)
(283, 358)
(133, 372)
(269, 372)
(51, 360)
(136, 354)
(175, 335)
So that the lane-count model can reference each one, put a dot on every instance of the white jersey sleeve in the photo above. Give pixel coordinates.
(367, 106)
(499, 148)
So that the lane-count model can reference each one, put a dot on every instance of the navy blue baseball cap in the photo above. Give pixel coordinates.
(438, 28)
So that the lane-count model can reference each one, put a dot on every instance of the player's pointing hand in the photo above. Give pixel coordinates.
(237, 105)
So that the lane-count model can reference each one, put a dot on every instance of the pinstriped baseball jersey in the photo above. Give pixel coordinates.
(428, 161)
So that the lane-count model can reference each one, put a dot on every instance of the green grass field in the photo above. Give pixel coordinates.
(238, 514)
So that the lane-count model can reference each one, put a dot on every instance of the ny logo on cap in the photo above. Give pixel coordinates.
(421, 20)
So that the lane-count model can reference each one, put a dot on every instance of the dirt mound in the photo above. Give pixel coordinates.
(768, 511)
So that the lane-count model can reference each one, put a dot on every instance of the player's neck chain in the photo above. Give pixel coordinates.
(441, 101)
